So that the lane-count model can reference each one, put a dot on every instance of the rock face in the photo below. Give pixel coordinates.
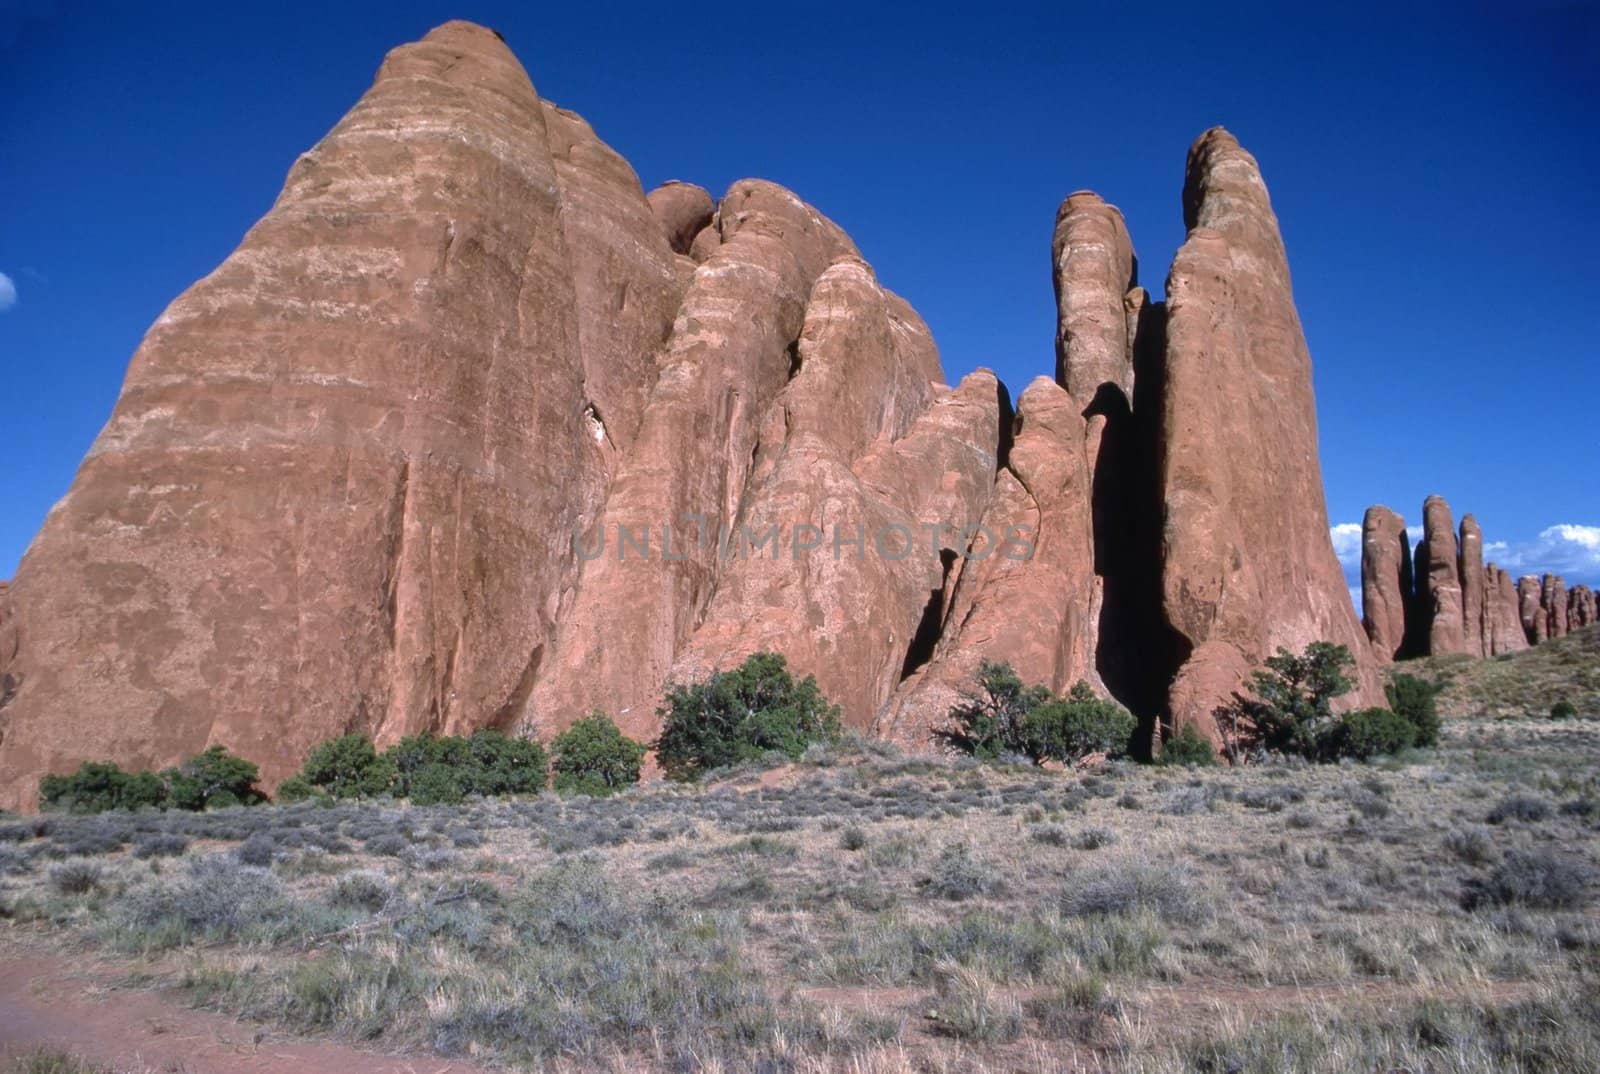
(1553, 599)
(1504, 615)
(1094, 272)
(336, 489)
(1439, 602)
(1469, 569)
(1249, 564)
(862, 438)
(1026, 594)
(470, 431)
(8, 645)
(1581, 611)
(1530, 602)
(684, 210)
(1386, 585)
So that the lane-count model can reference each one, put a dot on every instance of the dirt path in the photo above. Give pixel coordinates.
(75, 1005)
(51, 1001)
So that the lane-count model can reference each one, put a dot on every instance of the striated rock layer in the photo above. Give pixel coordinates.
(471, 431)
(335, 490)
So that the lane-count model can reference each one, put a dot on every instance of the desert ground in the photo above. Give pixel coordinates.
(862, 911)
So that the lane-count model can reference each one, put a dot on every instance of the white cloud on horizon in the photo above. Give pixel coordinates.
(1568, 549)
(1346, 537)
(8, 293)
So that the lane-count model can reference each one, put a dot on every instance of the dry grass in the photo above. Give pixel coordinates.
(877, 914)
(1520, 684)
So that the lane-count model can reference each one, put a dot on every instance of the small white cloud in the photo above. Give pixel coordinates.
(1586, 536)
(1567, 549)
(8, 293)
(1346, 537)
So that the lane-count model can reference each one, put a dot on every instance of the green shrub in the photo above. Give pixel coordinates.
(415, 753)
(1290, 706)
(1367, 733)
(594, 757)
(299, 789)
(437, 784)
(1416, 701)
(500, 764)
(434, 769)
(347, 767)
(1001, 716)
(212, 780)
(740, 715)
(1563, 710)
(1071, 728)
(991, 720)
(98, 786)
(1189, 748)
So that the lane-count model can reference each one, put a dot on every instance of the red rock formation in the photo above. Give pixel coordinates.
(1439, 601)
(1094, 271)
(337, 488)
(1553, 599)
(684, 211)
(1581, 611)
(1249, 564)
(1030, 602)
(1385, 581)
(1530, 594)
(358, 475)
(1474, 595)
(729, 355)
(861, 442)
(8, 646)
(1506, 633)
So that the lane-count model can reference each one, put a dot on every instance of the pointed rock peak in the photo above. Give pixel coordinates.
(1222, 183)
(461, 31)
(1041, 396)
(1094, 268)
(768, 209)
(464, 54)
(1085, 201)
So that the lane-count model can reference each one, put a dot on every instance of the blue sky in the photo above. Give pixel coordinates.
(1434, 172)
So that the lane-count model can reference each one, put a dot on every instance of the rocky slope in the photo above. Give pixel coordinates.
(471, 431)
